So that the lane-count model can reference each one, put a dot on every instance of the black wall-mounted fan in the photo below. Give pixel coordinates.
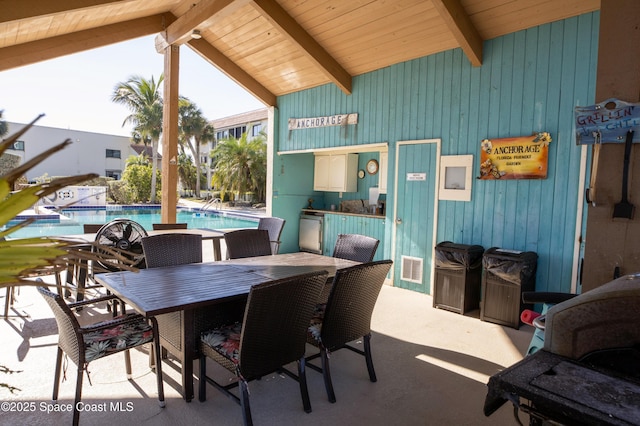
(125, 235)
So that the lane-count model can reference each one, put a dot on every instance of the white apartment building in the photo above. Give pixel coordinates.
(89, 152)
(234, 125)
(105, 154)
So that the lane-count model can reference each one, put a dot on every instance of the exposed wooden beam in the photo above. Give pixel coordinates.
(462, 28)
(38, 8)
(220, 61)
(41, 50)
(233, 71)
(179, 32)
(288, 26)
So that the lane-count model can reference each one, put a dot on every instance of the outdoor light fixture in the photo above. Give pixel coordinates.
(196, 34)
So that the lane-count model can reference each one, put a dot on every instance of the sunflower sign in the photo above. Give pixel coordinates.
(524, 157)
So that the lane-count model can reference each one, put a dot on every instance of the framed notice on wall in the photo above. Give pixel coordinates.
(523, 157)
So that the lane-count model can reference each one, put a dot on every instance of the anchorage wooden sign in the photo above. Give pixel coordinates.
(524, 157)
(326, 121)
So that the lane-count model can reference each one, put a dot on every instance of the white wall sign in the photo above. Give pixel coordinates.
(327, 121)
(416, 176)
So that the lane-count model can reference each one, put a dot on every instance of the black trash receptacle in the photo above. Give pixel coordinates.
(458, 270)
(505, 275)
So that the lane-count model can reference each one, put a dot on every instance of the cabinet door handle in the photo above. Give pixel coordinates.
(399, 220)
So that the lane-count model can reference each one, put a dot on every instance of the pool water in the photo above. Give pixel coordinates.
(71, 221)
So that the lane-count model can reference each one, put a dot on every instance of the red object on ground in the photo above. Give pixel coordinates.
(527, 316)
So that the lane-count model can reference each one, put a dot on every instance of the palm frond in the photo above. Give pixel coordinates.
(29, 257)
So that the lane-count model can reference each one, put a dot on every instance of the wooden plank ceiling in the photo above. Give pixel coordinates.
(275, 47)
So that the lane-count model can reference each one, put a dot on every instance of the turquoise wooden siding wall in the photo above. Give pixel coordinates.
(530, 81)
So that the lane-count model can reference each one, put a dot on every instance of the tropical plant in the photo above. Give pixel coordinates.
(195, 130)
(259, 168)
(137, 160)
(118, 193)
(28, 257)
(144, 100)
(138, 175)
(241, 165)
(25, 258)
(186, 171)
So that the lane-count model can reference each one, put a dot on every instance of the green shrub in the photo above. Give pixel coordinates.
(137, 180)
(118, 193)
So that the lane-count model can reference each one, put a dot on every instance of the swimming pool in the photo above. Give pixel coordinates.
(71, 221)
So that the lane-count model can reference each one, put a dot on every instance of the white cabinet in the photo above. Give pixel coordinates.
(336, 172)
(382, 175)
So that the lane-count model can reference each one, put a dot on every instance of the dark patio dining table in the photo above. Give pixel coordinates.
(189, 289)
(78, 280)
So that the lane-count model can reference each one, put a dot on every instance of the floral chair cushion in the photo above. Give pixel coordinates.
(120, 337)
(315, 328)
(224, 340)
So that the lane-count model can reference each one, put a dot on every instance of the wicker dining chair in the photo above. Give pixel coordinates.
(85, 344)
(347, 316)
(359, 248)
(9, 299)
(169, 250)
(247, 243)
(172, 249)
(92, 228)
(165, 226)
(271, 335)
(274, 226)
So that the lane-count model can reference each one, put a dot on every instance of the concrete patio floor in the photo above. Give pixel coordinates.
(432, 367)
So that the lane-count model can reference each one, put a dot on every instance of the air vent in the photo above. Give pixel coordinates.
(411, 269)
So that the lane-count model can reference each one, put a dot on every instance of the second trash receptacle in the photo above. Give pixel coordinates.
(457, 276)
(505, 275)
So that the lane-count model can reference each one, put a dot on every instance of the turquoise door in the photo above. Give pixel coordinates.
(414, 213)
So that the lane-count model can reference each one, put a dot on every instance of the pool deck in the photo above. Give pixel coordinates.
(243, 210)
(38, 214)
(432, 367)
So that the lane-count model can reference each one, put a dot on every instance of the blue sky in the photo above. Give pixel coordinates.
(74, 91)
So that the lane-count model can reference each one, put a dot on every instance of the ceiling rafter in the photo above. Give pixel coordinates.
(233, 71)
(179, 32)
(217, 58)
(37, 8)
(53, 47)
(462, 28)
(288, 26)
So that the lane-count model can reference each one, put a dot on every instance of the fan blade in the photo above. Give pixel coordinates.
(136, 248)
(108, 237)
(127, 231)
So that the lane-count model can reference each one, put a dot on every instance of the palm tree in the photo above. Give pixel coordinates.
(241, 164)
(137, 160)
(194, 126)
(186, 171)
(144, 100)
(259, 166)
